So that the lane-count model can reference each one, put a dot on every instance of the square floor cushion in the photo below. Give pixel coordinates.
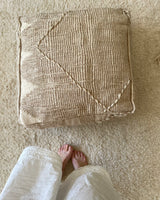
(74, 67)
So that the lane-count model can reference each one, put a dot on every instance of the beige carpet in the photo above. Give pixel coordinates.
(129, 148)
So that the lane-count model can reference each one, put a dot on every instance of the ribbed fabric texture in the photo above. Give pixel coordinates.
(75, 67)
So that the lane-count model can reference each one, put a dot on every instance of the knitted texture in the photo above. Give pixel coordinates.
(74, 67)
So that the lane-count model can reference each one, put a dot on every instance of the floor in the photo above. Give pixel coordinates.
(129, 148)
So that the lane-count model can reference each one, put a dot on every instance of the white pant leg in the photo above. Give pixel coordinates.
(88, 183)
(36, 176)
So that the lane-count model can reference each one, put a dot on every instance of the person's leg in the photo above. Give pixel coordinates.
(36, 176)
(87, 182)
(65, 152)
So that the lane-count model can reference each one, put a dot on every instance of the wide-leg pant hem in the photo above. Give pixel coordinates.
(36, 176)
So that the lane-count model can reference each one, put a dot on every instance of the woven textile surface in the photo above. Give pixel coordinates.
(75, 67)
(127, 147)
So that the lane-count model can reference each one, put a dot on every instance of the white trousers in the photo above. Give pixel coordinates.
(37, 176)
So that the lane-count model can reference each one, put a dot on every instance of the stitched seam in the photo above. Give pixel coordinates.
(71, 78)
(157, 59)
(119, 95)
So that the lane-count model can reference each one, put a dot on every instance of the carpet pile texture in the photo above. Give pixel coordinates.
(129, 148)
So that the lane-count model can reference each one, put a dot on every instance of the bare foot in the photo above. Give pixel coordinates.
(65, 152)
(79, 159)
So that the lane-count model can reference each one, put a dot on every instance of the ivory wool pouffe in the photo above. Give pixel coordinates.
(74, 67)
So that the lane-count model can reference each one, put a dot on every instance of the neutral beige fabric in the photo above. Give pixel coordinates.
(75, 67)
(37, 176)
(128, 147)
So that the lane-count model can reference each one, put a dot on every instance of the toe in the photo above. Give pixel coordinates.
(66, 147)
(70, 149)
(76, 154)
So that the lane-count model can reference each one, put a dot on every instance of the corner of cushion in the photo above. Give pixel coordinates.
(128, 83)
(26, 119)
(132, 98)
(127, 14)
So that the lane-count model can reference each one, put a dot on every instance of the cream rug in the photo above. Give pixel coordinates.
(129, 148)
